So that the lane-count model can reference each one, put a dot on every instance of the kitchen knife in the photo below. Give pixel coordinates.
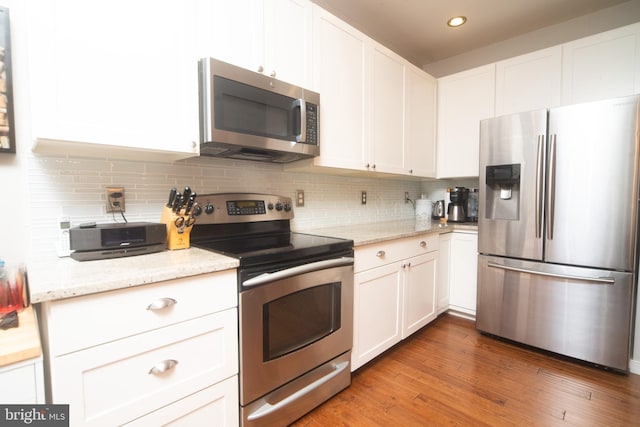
(186, 193)
(176, 202)
(172, 195)
(192, 199)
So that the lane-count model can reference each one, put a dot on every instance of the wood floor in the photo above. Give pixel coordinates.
(449, 374)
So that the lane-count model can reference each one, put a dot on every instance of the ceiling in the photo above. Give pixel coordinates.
(418, 31)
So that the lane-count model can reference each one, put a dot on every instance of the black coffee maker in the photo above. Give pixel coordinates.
(456, 211)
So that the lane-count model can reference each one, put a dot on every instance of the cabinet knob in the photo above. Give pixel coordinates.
(410, 170)
(162, 367)
(273, 73)
(373, 166)
(423, 244)
(260, 68)
(161, 303)
(380, 254)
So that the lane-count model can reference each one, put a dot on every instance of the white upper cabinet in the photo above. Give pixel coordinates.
(340, 57)
(267, 36)
(387, 111)
(121, 75)
(603, 66)
(377, 111)
(420, 123)
(529, 82)
(463, 100)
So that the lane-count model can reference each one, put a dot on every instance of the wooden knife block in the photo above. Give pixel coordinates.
(177, 237)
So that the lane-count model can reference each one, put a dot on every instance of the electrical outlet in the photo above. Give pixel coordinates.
(406, 197)
(115, 199)
(299, 198)
(363, 197)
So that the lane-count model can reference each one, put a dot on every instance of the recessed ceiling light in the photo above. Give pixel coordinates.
(456, 21)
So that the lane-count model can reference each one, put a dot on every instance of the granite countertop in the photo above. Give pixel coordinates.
(58, 278)
(364, 234)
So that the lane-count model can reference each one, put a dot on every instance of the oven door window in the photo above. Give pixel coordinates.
(299, 319)
(247, 109)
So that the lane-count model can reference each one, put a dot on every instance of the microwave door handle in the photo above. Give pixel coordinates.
(302, 137)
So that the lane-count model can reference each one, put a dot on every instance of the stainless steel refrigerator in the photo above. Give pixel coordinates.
(557, 228)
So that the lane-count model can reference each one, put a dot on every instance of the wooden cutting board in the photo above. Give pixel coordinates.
(21, 343)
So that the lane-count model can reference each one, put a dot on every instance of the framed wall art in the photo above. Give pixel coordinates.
(7, 131)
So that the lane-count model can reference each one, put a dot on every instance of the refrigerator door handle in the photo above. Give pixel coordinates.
(551, 194)
(602, 280)
(539, 184)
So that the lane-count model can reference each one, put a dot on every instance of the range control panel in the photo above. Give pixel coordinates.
(223, 208)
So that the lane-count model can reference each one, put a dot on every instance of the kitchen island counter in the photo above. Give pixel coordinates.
(58, 278)
(364, 234)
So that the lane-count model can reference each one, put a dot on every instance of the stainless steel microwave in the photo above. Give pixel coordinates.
(250, 116)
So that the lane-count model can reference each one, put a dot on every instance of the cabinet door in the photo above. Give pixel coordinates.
(421, 275)
(603, 66)
(444, 275)
(232, 31)
(340, 54)
(420, 123)
(387, 111)
(464, 272)
(377, 312)
(463, 100)
(114, 75)
(288, 41)
(529, 82)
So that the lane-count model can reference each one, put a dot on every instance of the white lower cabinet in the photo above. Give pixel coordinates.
(26, 380)
(394, 293)
(459, 264)
(177, 362)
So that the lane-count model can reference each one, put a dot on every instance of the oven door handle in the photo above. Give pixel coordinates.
(295, 271)
(267, 408)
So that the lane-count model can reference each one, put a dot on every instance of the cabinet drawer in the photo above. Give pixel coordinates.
(423, 244)
(217, 404)
(83, 322)
(379, 254)
(112, 383)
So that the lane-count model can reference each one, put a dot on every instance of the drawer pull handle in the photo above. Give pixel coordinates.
(161, 303)
(380, 254)
(162, 367)
(423, 244)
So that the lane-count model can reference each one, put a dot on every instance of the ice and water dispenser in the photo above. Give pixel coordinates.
(503, 192)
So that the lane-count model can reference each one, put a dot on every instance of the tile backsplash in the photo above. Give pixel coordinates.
(75, 187)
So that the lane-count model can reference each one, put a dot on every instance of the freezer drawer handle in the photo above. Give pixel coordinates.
(606, 280)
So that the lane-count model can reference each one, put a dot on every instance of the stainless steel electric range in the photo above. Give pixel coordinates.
(295, 307)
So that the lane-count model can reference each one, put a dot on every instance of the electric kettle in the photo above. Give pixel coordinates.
(438, 210)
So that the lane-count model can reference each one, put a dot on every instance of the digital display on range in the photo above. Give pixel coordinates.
(246, 207)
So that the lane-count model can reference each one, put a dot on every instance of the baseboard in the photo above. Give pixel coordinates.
(461, 314)
(634, 366)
